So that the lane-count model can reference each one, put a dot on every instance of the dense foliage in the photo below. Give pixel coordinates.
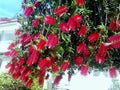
(65, 35)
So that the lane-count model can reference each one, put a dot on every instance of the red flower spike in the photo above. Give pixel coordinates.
(57, 80)
(114, 41)
(113, 72)
(49, 20)
(77, 18)
(30, 49)
(41, 44)
(102, 50)
(42, 63)
(7, 53)
(50, 61)
(41, 80)
(93, 37)
(84, 70)
(17, 32)
(80, 47)
(63, 27)
(86, 52)
(28, 11)
(25, 39)
(80, 2)
(100, 59)
(29, 83)
(82, 31)
(11, 69)
(15, 76)
(71, 24)
(37, 3)
(12, 45)
(8, 65)
(55, 68)
(17, 68)
(13, 53)
(60, 10)
(52, 40)
(78, 60)
(23, 69)
(33, 58)
(112, 25)
(36, 22)
(64, 65)
(21, 61)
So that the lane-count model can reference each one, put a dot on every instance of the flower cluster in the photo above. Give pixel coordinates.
(59, 38)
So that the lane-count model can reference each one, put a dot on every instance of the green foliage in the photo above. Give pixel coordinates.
(7, 83)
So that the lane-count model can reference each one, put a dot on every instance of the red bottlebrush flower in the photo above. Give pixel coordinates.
(29, 83)
(84, 70)
(112, 25)
(30, 49)
(11, 69)
(21, 61)
(42, 63)
(71, 24)
(114, 41)
(78, 60)
(60, 10)
(57, 80)
(93, 37)
(17, 68)
(80, 2)
(15, 76)
(100, 59)
(28, 11)
(36, 36)
(8, 65)
(37, 3)
(55, 68)
(17, 32)
(12, 45)
(41, 80)
(36, 22)
(23, 69)
(25, 39)
(82, 30)
(52, 40)
(63, 27)
(102, 50)
(50, 61)
(13, 53)
(80, 47)
(113, 72)
(64, 65)
(7, 53)
(41, 44)
(86, 52)
(77, 18)
(33, 58)
(24, 78)
(49, 20)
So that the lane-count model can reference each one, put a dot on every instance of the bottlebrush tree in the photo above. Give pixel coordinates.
(60, 36)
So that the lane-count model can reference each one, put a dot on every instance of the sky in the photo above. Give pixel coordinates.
(10, 8)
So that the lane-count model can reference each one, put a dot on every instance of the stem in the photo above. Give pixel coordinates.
(43, 28)
(48, 30)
